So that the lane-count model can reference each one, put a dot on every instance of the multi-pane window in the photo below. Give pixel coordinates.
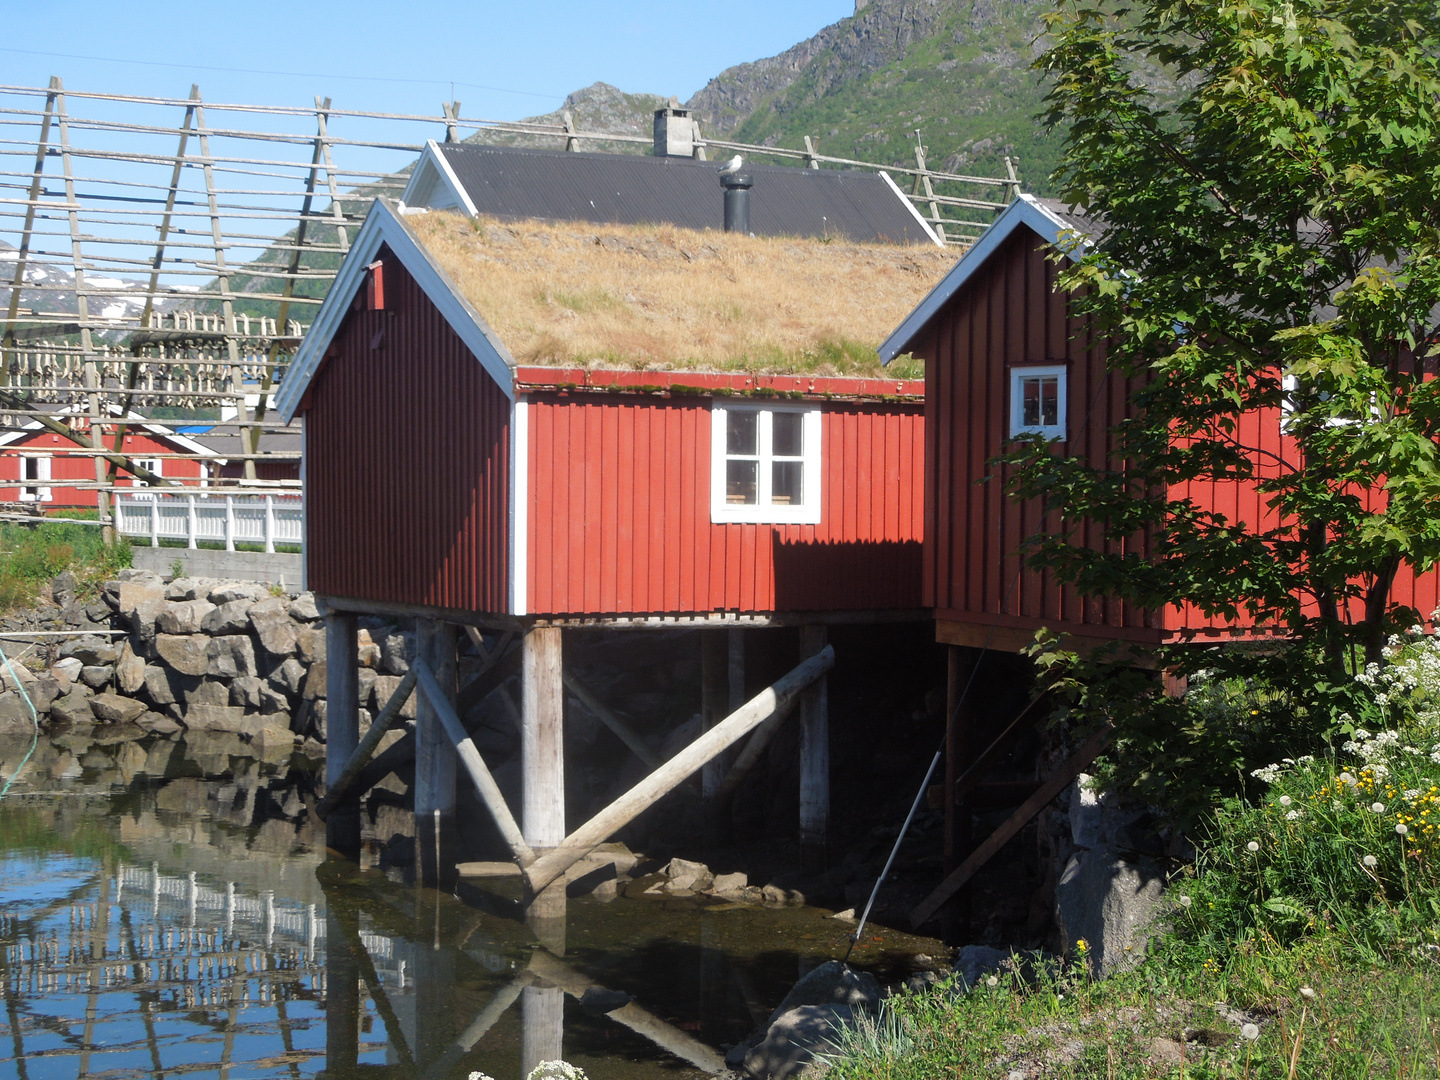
(154, 465)
(766, 464)
(34, 469)
(1037, 401)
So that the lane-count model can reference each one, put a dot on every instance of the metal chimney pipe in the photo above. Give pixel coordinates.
(737, 187)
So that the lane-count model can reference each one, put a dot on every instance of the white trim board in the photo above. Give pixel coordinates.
(929, 230)
(519, 505)
(384, 226)
(431, 171)
(1027, 211)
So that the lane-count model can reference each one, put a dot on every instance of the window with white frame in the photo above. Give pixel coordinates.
(765, 464)
(154, 465)
(35, 468)
(1037, 401)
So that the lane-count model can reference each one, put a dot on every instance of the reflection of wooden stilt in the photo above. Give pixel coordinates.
(542, 1032)
(484, 1020)
(342, 725)
(342, 1000)
(814, 756)
(434, 969)
(542, 754)
(435, 847)
(664, 1035)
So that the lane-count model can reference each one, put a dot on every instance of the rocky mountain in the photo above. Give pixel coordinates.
(958, 70)
(597, 107)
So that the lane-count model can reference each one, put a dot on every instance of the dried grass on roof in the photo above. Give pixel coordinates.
(659, 297)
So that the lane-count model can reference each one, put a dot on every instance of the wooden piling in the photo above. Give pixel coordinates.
(342, 725)
(435, 760)
(542, 755)
(814, 755)
(959, 750)
(714, 702)
(542, 1026)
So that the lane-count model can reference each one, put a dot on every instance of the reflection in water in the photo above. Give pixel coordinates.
(185, 922)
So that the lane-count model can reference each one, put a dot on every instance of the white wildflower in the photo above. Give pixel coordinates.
(1346, 778)
(1252, 846)
(1249, 1032)
(1285, 800)
(1268, 775)
(1377, 808)
(1370, 862)
(1294, 815)
(1411, 794)
(1402, 828)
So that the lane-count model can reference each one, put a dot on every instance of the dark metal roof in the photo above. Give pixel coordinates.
(624, 189)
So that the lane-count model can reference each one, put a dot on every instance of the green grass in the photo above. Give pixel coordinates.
(1366, 1020)
(30, 555)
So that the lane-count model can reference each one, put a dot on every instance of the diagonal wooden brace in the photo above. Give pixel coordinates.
(474, 764)
(358, 759)
(1053, 785)
(684, 764)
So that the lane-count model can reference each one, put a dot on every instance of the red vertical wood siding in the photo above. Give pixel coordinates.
(620, 513)
(1010, 314)
(407, 461)
(64, 466)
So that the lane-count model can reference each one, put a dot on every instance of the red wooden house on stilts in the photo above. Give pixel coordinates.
(539, 429)
(1004, 355)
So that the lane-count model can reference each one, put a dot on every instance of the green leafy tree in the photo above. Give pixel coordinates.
(1269, 238)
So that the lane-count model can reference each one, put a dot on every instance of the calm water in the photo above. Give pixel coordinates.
(166, 910)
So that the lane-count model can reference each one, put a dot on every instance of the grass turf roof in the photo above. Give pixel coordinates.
(664, 298)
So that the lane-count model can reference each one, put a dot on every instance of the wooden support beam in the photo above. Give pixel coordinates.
(337, 791)
(1055, 783)
(714, 701)
(623, 731)
(751, 753)
(342, 723)
(542, 778)
(663, 780)
(542, 1025)
(470, 758)
(435, 755)
(814, 754)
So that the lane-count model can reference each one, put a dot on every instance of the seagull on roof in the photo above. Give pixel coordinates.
(732, 166)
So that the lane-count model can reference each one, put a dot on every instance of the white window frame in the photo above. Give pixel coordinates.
(1290, 389)
(1018, 426)
(806, 512)
(32, 491)
(155, 465)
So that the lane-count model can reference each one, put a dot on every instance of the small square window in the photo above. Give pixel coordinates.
(1037, 401)
(766, 464)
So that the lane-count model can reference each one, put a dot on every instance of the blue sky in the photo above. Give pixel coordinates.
(506, 60)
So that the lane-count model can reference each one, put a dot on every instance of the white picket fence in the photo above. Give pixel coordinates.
(228, 519)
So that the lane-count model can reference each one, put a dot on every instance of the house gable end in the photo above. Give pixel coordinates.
(385, 227)
(1026, 212)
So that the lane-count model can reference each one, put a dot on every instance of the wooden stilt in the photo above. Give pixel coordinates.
(542, 755)
(342, 725)
(714, 701)
(435, 760)
(814, 755)
(959, 750)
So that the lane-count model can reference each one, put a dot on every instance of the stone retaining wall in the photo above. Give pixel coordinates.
(205, 655)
